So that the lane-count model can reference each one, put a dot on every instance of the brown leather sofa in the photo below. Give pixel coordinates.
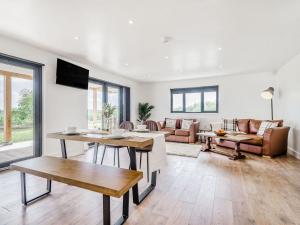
(180, 135)
(273, 143)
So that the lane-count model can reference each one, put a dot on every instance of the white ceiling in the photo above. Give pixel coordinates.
(209, 37)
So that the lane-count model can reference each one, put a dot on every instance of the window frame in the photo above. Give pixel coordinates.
(201, 90)
(37, 102)
(124, 97)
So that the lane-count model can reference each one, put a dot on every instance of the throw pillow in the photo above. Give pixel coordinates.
(171, 123)
(266, 125)
(186, 124)
(229, 124)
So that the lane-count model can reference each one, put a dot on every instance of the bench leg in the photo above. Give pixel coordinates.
(106, 210)
(24, 194)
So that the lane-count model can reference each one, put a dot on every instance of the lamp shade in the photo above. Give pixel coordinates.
(268, 93)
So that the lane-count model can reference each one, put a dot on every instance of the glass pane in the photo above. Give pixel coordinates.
(1, 108)
(210, 101)
(193, 102)
(16, 113)
(113, 98)
(22, 110)
(177, 102)
(95, 103)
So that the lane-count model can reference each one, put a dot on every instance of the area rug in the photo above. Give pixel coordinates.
(188, 150)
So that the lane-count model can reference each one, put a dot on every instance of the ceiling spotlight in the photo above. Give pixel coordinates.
(166, 57)
(76, 38)
(220, 49)
(130, 22)
(166, 39)
(126, 64)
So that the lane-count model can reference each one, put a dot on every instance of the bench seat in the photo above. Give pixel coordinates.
(109, 181)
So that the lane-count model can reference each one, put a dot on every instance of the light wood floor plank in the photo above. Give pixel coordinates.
(205, 191)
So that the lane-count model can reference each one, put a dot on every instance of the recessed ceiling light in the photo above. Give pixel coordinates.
(130, 22)
(126, 64)
(220, 49)
(166, 57)
(76, 38)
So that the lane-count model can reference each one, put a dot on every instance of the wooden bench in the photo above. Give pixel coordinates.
(110, 181)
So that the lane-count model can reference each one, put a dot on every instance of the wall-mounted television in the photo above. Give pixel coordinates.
(71, 75)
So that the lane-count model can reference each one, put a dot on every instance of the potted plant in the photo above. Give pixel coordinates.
(144, 110)
(108, 111)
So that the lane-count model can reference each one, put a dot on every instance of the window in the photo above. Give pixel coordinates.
(20, 109)
(195, 100)
(101, 92)
(177, 102)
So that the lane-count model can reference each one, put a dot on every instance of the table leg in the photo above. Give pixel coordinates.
(137, 199)
(96, 146)
(237, 154)
(208, 145)
(63, 148)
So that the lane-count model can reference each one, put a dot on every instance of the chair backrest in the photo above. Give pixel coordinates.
(127, 125)
(151, 125)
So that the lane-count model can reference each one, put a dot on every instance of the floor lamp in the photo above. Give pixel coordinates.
(268, 95)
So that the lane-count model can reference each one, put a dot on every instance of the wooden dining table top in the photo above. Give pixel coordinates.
(103, 138)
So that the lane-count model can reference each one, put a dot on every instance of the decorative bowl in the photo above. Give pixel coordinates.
(218, 133)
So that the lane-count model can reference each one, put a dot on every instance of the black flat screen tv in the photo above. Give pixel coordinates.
(71, 75)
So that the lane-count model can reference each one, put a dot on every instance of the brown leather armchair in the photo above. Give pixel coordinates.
(180, 135)
(275, 141)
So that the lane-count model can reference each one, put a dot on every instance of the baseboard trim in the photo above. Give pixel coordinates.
(294, 153)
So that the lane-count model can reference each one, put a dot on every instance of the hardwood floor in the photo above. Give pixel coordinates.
(207, 190)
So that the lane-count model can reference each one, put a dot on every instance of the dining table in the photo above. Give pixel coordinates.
(133, 140)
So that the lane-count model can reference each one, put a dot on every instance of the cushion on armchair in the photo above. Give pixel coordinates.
(182, 132)
(186, 124)
(170, 123)
(266, 125)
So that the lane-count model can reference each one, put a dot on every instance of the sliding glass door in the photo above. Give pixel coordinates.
(95, 104)
(20, 110)
(113, 98)
(101, 92)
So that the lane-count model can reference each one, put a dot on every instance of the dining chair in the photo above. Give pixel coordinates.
(126, 125)
(152, 126)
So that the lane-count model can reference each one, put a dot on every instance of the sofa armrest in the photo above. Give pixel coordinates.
(275, 141)
(194, 129)
(160, 125)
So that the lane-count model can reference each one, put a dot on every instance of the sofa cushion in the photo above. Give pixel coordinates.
(280, 122)
(243, 125)
(181, 132)
(229, 124)
(170, 123)
(186, 124)
(170, 130)
(255, 140)
(254, 126)
(266, 125)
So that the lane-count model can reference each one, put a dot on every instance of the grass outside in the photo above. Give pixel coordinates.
(19, 135)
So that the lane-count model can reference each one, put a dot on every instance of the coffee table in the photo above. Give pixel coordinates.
(237, 139)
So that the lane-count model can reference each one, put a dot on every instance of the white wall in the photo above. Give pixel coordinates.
(288, 84)
(63, 106)
(239, 97)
